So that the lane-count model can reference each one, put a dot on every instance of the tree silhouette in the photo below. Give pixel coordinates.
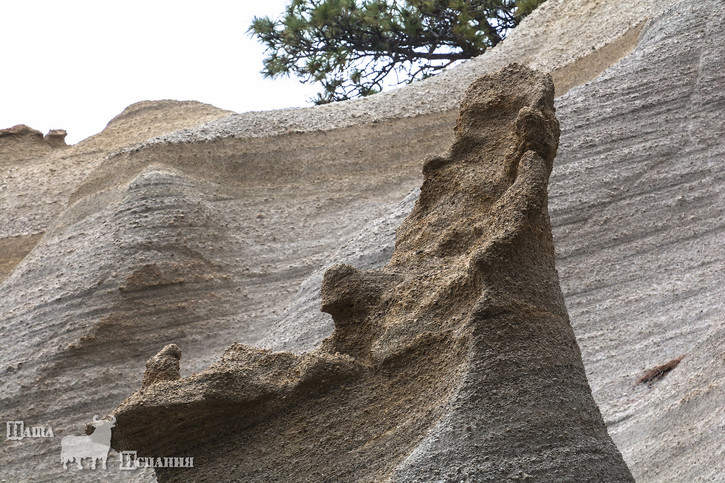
(355, 48)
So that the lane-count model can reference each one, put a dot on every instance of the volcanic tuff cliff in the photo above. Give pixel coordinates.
(456, 360)
(112, 249)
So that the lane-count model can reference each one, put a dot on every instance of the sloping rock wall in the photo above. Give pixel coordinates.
(38, 174)
(638, 200)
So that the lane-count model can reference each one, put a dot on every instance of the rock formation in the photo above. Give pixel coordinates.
(56, 138)
(455, 361)
(164, 366)
(638, 215)
(29, 141)
(183, 223)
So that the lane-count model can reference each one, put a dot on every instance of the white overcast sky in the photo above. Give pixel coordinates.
(75, 64)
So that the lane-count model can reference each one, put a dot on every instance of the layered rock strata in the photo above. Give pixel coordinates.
(636, 201)
(220, 221)
(454, 361)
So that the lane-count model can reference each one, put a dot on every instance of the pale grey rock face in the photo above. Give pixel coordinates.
(638, 212)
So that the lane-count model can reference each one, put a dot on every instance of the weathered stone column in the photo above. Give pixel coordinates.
(454, 362)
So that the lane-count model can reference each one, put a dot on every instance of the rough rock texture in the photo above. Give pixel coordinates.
(37, 179)
(638, 207)
(29, 141)
(53, 308)
(56, 138)
(638, 214)
(370, 249)
(636, 199)
(162, 367)
(198, 245)
(469, 305)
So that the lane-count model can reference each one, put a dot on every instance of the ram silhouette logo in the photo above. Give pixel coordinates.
(94, 446)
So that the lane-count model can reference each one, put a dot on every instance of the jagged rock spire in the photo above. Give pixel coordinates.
(455, 361)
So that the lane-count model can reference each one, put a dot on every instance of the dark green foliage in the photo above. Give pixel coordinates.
(352, 47)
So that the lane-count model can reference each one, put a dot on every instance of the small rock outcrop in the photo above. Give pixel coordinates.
(24, 142)
(56, 138)
(454, 361)
(20, 130)
(164, 366)
(21, 142)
